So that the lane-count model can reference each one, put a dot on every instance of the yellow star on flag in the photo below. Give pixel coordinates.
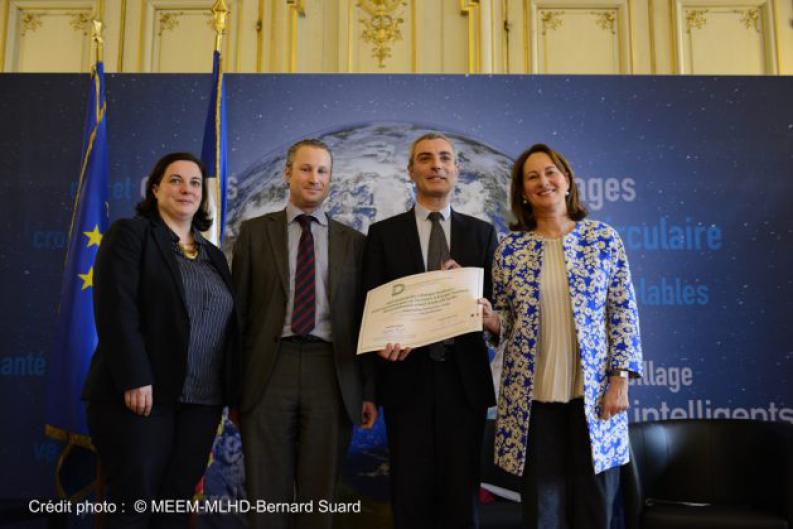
(88, 279)
(94, 237)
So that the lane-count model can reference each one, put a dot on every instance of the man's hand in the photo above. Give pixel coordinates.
(368, 414)
(490, 318)
(451, 264)
(394, 352)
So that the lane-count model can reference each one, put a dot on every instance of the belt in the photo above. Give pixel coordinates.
(309, 338)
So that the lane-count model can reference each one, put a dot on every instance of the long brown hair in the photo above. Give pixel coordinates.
(521, 209)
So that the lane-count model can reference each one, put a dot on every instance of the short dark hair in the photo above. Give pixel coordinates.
(307, 142)
(430, 136)
(148, 206)
(521, 210)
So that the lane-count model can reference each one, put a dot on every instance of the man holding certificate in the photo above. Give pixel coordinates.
(435, 397)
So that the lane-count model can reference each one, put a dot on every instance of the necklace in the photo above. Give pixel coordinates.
(190, 253)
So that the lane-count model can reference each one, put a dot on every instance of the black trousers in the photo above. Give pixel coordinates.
(435, 448)
(161, 456)
(560, 487)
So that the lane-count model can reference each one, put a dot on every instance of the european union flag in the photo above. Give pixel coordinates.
(213, 152)
(75, 338)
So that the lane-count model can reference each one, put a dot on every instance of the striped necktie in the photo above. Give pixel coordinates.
(304, 309)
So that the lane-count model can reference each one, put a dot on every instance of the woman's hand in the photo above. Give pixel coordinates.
(490, 318)
(140, 400)
(394, 352)
(616, 398)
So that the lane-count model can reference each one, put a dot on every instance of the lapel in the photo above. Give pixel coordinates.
(411, 232)
(338, 245)
(459, 234)
(162, 238)
(279, 246)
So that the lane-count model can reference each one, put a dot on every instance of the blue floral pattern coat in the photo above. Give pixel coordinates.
(607, 328)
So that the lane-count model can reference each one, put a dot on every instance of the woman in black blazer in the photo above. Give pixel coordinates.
(166, 360)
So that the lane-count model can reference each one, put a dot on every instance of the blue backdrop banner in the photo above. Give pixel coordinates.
(694, 172)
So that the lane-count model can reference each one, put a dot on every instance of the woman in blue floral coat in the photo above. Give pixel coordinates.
(565, 312)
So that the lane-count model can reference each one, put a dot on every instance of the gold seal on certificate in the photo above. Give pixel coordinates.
(422, 309)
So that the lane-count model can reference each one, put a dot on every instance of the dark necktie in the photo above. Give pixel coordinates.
(304, 309)
(437, 254)
(438, 248)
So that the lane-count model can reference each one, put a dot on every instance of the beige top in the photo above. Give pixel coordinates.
(557, 374)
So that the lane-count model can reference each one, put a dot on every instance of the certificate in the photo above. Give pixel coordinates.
(422, 309)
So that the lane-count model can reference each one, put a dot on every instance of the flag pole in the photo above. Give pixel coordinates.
(65, 429)
(98, 39)
(220, 13)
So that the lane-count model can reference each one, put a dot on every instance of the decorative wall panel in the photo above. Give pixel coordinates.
(32, 29)
(575, 36)
(725, 37)
(176, 36)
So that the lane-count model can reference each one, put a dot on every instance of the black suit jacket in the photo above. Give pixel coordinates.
(261, 282)
(392, 251)
(141, 317)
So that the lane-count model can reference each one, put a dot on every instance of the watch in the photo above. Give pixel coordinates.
(622, 373)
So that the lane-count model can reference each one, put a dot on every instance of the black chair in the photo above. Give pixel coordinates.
(709, 474)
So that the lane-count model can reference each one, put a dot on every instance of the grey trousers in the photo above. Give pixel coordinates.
(296, 437)
(560, 488)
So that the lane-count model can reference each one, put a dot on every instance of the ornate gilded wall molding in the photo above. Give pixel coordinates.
(381, 29)
(550, 20)
(80, 22)
(606, 20)
(31, 22)
(168, 21)
(695, 19)
(750, 18)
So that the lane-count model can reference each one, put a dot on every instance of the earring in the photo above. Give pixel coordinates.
(523, 200)
(567, 194)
